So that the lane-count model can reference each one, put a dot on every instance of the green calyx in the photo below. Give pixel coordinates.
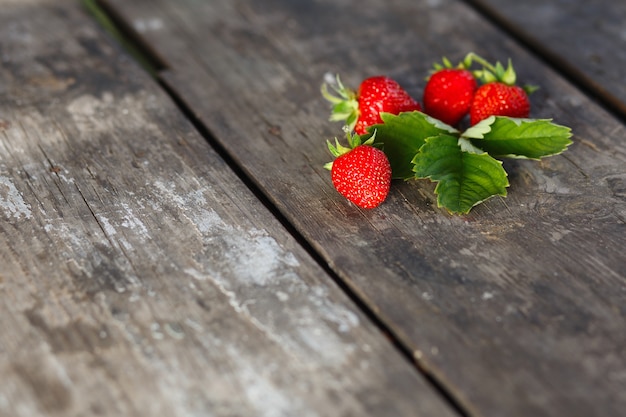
(353, 139)
(495, 73)
(345, 106)
(447, 64)
(492, 73)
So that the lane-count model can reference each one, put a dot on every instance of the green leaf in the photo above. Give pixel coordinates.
(464, 179)
(403, 135)
(519, 138)
(467, 146)
(479, 129)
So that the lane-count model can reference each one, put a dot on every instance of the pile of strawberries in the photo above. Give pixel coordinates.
(361, 172)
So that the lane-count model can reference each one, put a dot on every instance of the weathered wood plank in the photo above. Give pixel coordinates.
(586, 39)
(517, 308)
(138, 275)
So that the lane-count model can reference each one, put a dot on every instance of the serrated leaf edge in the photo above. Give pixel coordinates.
(478, 132)
(504, 193)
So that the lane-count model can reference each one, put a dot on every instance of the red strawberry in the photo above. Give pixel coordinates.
(362, 109)
(362, 173)
(499, 99)
(499, 96)
(448, 94)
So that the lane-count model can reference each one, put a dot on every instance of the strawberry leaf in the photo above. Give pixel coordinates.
(519, 138)
(464, 179)
(403, 135)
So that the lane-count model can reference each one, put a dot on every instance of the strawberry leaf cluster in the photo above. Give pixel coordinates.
(465, 165)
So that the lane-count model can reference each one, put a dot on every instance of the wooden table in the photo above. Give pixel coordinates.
(171, 245)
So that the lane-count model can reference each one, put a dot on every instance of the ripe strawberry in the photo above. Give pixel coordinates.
(362, 109)
(362, 173)
(499, 99)
(448, 94)
(499, 96)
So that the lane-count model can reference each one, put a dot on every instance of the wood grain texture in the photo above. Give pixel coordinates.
(138, 275)
(586, 39)
(517, 308)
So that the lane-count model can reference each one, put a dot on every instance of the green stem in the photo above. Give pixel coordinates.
(473, 57)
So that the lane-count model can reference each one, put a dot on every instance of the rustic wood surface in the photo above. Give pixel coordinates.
(585, 39)
(518, 308)
(138, 275)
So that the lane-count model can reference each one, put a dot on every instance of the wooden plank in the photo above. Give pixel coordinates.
(518, 308)
(138, 275)
(585, 39)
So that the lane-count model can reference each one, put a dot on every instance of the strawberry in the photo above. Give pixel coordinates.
(499, 99)
(362, 109)
(499, 96)
(449, 92)
(361, 173)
